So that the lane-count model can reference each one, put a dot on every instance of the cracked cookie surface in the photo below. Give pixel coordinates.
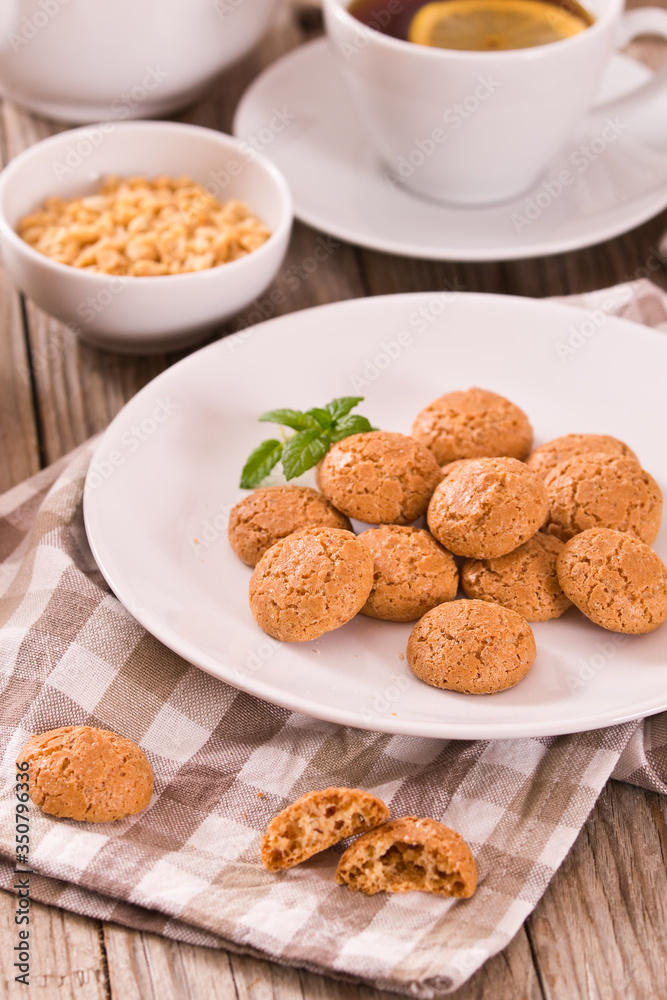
(379, 477)
(309, 583)
(471, 646)
(316, 821)
(600, 490)
(473, 424)
(549, 455)
(525, 580)
(487, 507)
(82, 773)
(407, 854)
(617, 581)
(272, 513)
(412, 573)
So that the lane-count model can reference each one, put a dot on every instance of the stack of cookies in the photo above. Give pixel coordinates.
(524, 534)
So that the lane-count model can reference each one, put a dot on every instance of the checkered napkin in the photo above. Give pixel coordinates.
(188, 867)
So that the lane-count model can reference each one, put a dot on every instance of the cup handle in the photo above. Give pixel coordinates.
(642, 21)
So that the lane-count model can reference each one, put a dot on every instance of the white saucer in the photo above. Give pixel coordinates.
(339, 186)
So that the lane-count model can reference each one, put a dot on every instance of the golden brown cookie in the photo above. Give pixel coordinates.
(473, 424)
(87, 774)
(379, 477)
(412, 574)
(547, 456)
(617, 581)
(471, 646)
(450, 467)
(316, 821)
(274, 512)
(602, 491)
(487, 507)
(407, 854)
(525, 580)
(310, 583)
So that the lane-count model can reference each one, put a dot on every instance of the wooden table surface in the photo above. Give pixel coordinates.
(600, 931)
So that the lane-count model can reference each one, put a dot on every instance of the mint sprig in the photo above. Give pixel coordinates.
(260, 463)
(315, 431)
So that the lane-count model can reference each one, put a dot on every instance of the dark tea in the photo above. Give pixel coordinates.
(474, 25)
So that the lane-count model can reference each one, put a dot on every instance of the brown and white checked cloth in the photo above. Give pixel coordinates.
(188, 867)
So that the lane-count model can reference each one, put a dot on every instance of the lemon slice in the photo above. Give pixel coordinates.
(491, 25)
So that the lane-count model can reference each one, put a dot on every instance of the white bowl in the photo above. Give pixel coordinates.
(140, 315)
(101, 60)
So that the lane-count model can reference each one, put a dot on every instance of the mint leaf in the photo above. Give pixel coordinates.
(316, 430)
(260, 463)
(291, 418)
(341, 407)
(323, 417)
(303, 451)
(353, 424)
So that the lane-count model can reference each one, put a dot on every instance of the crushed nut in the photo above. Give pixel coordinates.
(140, 227)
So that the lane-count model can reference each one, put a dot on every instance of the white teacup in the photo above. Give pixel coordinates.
(110, 60)
(480, 127)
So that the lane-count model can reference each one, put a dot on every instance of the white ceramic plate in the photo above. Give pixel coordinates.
(338, 184)
(167, 469)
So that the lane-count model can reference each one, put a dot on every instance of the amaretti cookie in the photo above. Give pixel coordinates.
(309, 583)
(487, 507)
(316, 821)
(549, 455)
(450, 467)
(407, 854)
(94, 775)
(525, 580)
(600, 490)
(271, 513)
(412, 573)
(617, 581)
(379, 477)
(471, 646)
(473, 424)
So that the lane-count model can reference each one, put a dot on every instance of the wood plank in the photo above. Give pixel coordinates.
(584, 946)
(601, 928)
(80, 389)
(510, 975)
(144, 966)
(77, 389)
(19, 447)
(67, 960)
(217, 108)
(633, 255)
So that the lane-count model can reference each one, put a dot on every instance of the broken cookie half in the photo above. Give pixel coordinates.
(407, 854)
(319, 820)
